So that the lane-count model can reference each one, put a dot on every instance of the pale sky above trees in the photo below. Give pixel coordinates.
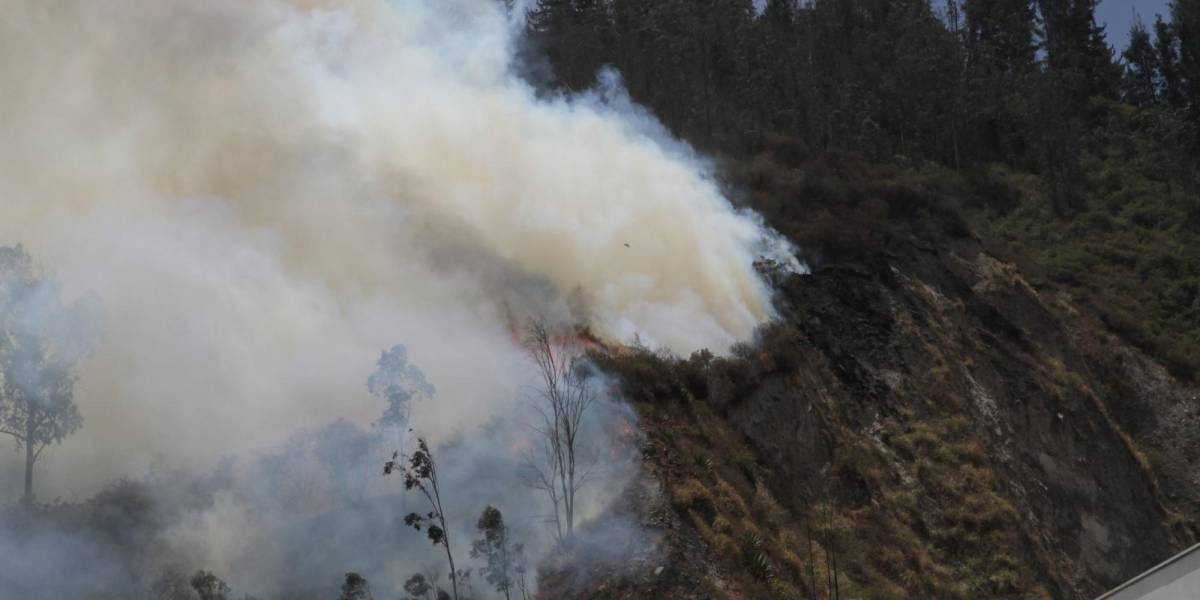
(1117, 15)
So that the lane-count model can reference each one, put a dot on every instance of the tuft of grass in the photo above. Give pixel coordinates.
(758, 564)
(750, 539)
(692, 494)
(722, 525)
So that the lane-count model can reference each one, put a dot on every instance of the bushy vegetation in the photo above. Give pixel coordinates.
(912, 508)
(1132, 249)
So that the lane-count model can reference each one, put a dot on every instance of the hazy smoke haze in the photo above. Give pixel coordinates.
(264, 195)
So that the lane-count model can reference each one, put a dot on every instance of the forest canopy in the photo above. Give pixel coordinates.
(852, 123)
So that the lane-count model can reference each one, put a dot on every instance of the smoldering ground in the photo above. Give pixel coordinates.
(263, 195)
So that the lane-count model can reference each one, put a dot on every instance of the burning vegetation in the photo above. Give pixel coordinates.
(910, 311)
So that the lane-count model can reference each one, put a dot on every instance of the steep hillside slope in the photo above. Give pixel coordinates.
(921, 422)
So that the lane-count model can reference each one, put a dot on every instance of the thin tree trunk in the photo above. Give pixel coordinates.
(571, 489)
(435, 500)
(557, 518)
(446, 539)
(29, 456)
(562, 466)
(453, 572)
(954, 133)
(837, 594)
(828, 561)
(812, 572)
(504, 560)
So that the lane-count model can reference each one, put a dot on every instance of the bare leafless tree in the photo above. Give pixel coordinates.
(565, 394)
(541, 473)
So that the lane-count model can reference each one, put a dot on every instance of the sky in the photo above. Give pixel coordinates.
(1117, 15)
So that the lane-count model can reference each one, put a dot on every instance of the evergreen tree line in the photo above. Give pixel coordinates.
(968, 82)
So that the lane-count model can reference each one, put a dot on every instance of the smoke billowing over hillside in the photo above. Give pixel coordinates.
(264, 195)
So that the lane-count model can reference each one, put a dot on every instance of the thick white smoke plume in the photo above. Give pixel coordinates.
(265, 194)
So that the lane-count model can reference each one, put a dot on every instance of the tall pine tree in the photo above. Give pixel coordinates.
(1001, 64)
(1185, 20)
(1139, 85)
(1076, 49)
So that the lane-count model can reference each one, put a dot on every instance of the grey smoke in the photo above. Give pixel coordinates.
(265, 195)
